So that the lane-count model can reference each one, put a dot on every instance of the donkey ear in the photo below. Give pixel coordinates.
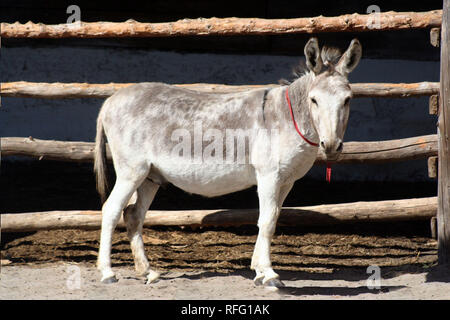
(350, 58)
(312, 54)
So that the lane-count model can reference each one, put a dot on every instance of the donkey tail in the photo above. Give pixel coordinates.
(100, 160)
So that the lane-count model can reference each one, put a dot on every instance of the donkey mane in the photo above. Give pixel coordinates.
(330, 57)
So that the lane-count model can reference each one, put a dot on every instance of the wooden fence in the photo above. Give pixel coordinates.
(435, 146)
(88, 90)
(225, 26)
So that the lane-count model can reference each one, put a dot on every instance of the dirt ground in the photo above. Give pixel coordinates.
(214, 264)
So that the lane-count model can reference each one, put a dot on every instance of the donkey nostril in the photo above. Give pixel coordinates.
(340, 147)
(322, 144)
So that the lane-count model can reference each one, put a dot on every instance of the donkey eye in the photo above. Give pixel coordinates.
(313, 101)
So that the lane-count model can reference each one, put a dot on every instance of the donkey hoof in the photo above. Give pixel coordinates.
(152, 277)
(149, 281)
(258, 281)
(274, 283)
(109, 280)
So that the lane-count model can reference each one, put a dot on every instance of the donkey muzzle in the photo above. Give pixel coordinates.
(332, 148)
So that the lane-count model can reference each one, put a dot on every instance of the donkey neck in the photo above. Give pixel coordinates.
(298, 94)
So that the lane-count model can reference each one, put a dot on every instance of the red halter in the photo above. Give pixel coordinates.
(295, 123)
(328, 174)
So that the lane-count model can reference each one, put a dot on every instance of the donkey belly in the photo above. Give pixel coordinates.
(208, 180)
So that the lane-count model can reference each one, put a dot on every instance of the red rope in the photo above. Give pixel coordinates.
(328, 174)
(295, 123)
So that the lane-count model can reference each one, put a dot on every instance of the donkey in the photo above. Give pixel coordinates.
(140, 122)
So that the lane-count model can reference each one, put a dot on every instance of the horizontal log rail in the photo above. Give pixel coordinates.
(388, 150)
(25, 89)
(354, 152)
(391, 210)
(227, 26)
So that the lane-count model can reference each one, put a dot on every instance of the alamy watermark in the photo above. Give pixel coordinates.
(74, 20)
(73, 280)
(374, 280)
(223, 146)
(374, 21)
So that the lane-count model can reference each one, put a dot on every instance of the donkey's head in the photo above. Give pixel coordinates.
(329, 93)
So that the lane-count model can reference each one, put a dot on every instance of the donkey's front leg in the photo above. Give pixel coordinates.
(268, 193)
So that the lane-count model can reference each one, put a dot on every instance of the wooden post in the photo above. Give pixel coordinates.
(443, 215)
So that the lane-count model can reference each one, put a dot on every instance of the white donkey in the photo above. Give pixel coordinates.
(140, 122)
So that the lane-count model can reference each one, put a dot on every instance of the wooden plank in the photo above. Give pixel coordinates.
(225, 26)
(387, 151)
(394, 90)
(49, 149)
(92, 90)
(434, 104)
(24, 89)
(432, 167)
(435, 37)
(433, 228)
(443, 215)
(354, 152)
(392, 210)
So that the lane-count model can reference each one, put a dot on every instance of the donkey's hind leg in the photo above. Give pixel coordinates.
(134, 216)
(117, 200)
